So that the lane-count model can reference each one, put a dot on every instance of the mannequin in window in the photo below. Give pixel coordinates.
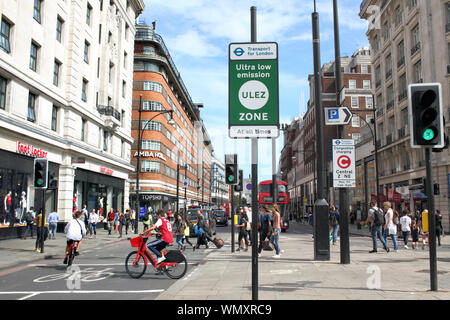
(74, 203)
(23, 206)
(7, 206)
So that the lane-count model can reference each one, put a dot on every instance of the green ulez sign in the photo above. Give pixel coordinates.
(253, 90)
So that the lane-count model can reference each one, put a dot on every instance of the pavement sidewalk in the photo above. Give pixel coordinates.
(401, 275)
(14, 252)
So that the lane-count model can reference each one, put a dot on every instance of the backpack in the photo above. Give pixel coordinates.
(395, 219)
(29, 217)
(378, 217)
(333, 219)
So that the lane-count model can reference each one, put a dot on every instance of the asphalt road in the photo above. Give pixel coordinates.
(97, 274)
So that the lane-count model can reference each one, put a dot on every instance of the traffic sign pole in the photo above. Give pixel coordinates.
(255, 206)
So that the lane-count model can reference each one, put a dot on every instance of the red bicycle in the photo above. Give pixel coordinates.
(174, 266)
(72, 251)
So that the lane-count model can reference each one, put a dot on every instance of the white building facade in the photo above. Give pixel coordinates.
(66, 71)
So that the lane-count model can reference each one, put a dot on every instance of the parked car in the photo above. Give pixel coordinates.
(221, 217)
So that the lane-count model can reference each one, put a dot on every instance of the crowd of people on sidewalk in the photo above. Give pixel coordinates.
(386, 222)
(268, 226)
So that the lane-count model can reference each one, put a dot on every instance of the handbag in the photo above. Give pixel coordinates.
(266, 246)
(392, 229)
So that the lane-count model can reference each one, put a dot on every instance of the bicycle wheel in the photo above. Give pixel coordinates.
(178, 270)
(135, 270)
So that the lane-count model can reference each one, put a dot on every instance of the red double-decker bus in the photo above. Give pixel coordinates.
(265, 197)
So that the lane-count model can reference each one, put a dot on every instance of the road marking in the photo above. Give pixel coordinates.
(30, 294)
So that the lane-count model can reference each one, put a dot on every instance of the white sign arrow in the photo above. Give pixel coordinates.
(337, 116)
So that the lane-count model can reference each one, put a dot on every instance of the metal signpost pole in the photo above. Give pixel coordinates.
(254, 185)
(321, 232)
(431, 220)
(343, 192)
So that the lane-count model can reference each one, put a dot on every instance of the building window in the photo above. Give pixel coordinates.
(54, 118)
(398, 16)
(355, 121)
(105, 140)
(151, 67)
(86, 51)
(125, 60)
(56, 69)
(84, 88)
(366, 84)
(369, 118)
(31, 115)
(151, 145)
(364, 68)
(369, 102)
(148, 105)
(151, 166)
(59, 28)
(111, 72)
(418, 72)
(5, 32)
(152, 86)
(152, 125)
(88, 14)
(3, 84)
(83, 129)
(124, 88)
(37, 10)
(33, 56)
(352, 84)
(401, 54)
(355, 102)
(415, 34)
(149, 50)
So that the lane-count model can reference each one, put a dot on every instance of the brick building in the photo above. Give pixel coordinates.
(167, 148)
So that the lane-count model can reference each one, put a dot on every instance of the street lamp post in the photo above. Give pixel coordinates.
(138, 166)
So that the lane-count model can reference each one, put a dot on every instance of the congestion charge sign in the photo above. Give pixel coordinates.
(253, 90)
(344, 163)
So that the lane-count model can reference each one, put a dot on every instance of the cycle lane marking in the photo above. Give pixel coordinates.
(30, 294)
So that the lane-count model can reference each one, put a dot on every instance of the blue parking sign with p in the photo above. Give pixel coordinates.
(333, 114)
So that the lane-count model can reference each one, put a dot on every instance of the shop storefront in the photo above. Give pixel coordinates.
(156, 201)
(98, 191)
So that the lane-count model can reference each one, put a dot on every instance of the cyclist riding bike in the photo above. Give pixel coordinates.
(166, 236)
(74, 230)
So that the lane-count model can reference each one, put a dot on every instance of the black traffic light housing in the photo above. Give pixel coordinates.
(231, 169)
(240, 186)
(40, 177)
(426, 118)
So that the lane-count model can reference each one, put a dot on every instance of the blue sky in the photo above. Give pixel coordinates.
(197, 34)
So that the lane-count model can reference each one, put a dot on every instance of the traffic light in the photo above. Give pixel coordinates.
(40, 173)
(240, 186)
(231, 169)
(426, 118)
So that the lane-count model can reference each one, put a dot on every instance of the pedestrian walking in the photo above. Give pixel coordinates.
(334, 223)
(120, 220)
(132, 218)
(405, 223)
(415, 231)
(179, 226)
(110, 219)
(29, 219)
(127, 220)
(52, 221)
(390, 229)
(117, 221)
(85, 217)
(93, 220)
(264, 227)
(242, 226)
(424, 227)
(375, 218)
(39, 231)
(438, 217)
(147, 220)
(248, 214)
(187, 230)
(276, 230)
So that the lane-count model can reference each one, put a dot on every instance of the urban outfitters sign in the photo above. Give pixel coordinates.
(253, 110)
